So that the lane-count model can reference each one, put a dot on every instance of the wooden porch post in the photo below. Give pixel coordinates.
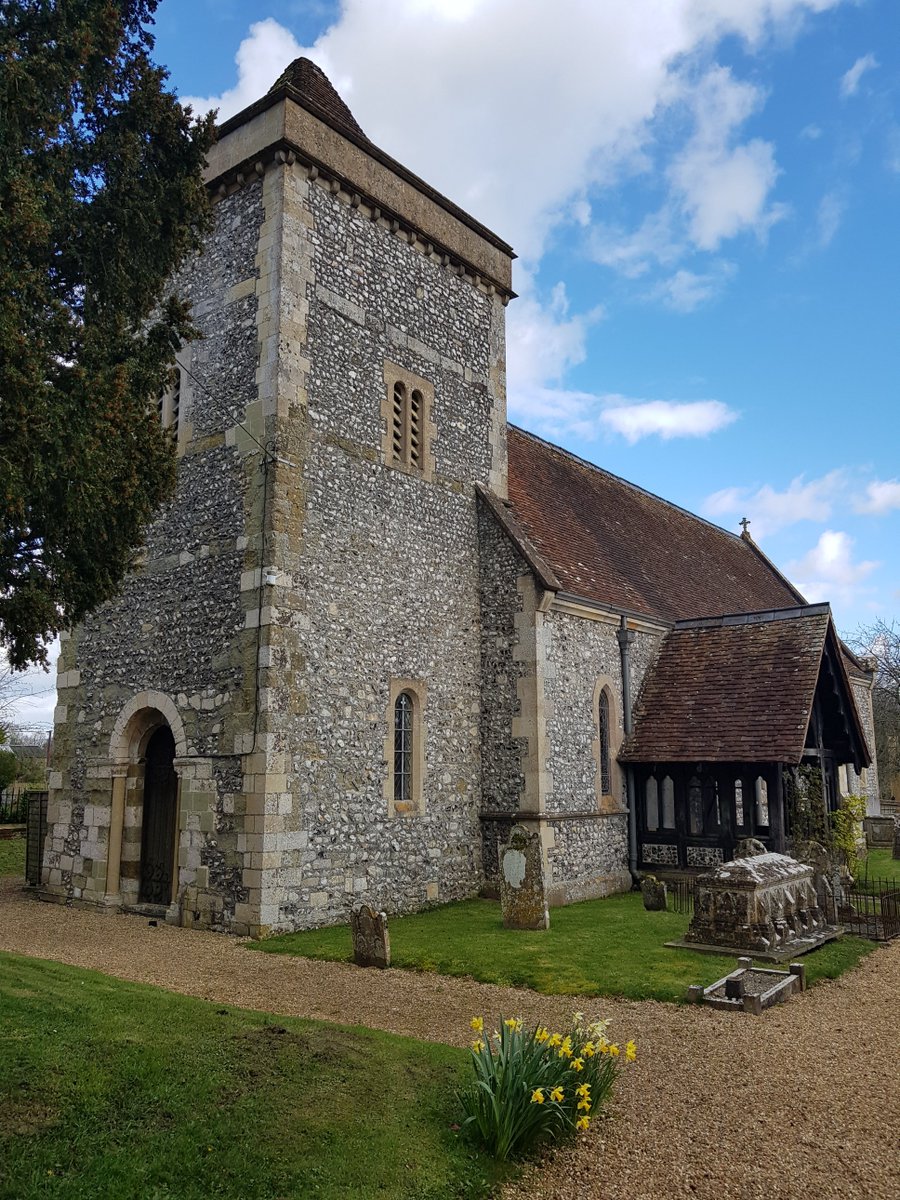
(776, 812)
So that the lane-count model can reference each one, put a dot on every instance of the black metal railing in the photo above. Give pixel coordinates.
(36, 835)
(870, 908)
(13, 806)
(680, 896)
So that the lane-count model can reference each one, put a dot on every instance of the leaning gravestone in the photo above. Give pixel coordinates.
(371, 940)
(654, 892)
(523, 896)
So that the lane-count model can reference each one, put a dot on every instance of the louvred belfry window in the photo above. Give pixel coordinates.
(406, 428)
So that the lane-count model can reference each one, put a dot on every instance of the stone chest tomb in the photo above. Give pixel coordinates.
(761, 904)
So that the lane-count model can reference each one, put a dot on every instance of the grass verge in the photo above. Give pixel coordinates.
(879, 864)
(12, 856)
(610, 947)
(112, 1089)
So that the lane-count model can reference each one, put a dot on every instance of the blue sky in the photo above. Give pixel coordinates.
(704, 197)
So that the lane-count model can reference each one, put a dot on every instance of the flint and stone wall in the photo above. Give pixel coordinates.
(384, 582)
(588, 853)
(862, 694)
(178, 628)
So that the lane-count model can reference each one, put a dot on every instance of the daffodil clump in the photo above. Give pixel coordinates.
(535, 1084)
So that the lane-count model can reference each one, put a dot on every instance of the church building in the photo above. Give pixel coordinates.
(377, 625)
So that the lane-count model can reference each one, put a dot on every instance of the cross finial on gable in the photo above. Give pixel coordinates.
(744, 523)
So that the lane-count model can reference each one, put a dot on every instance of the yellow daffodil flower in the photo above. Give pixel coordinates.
(513, 1023)
(584, 1090)
(584, 1104)
(537, 1096)
(541, 1034)
(577, 1064)
(565, 1051)
(614, 1050)
(603, 1047)
(478, 1045)
(557, 1095)
(630, 1051)
(583, 1123)
(588, 1049)
(554, 1039)
(477, 1024)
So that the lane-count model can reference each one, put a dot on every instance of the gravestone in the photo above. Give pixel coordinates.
(879, 831)
(654, 893)
(895, 853)
(523, 896)
(371, 940)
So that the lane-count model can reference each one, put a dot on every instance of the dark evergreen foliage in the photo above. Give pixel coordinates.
(101, 199)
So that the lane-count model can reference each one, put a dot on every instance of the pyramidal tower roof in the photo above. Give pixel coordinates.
(317, 92)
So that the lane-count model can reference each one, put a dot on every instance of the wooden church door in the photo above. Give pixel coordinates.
(158, 826)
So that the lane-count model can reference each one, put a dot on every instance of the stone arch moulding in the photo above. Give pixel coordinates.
(122, 745)
(613, 801)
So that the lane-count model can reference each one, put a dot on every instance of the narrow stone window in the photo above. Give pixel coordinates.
(409, 435)
(168, 402)
(668, 803)
(651, 799)
(603, 724)
(403, 749)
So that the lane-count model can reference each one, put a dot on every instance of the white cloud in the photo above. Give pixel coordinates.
(685, 290)
(518, 115)
(723, 188)
(261, 57)
(881, 496)
(666, 418)
(828, 218)
(849, 85)
(811, 133)
(770, 510)
(28, 698)
(828, 571)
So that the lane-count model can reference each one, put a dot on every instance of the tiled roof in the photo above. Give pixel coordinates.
(731, 690)
(610, 541)
(318, 93)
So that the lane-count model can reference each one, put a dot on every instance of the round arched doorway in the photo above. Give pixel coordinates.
(159, 815)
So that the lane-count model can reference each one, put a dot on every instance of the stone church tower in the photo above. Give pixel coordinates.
(242, 737)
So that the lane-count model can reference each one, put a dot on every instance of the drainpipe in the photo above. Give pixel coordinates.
(625, 637)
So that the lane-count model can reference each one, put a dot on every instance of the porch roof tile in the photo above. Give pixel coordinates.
(735, 689)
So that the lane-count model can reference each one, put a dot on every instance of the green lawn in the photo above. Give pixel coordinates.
(111, 1090)
(609, 947)
(12, 856)
(879, 864)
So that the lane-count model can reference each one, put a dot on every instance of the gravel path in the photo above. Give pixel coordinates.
(803, 1102)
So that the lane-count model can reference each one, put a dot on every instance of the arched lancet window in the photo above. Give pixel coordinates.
(651, 804)
(695, 806)
(406, 425)
(603, 727)
(762, 801)
(739, 804)
(668, 803)
(403, 749)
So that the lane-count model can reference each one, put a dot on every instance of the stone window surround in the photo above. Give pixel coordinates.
(417, 691)
(394, 374)
(610, 802)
